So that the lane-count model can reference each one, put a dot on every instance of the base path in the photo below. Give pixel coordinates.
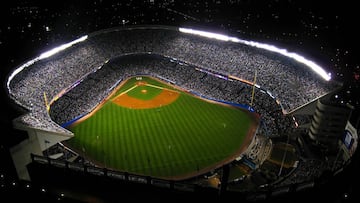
(164, 98)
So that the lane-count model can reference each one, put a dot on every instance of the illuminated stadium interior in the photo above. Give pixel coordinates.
(158, 40)
(73, 79)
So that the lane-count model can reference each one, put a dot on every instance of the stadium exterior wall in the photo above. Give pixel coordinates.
(36, 143)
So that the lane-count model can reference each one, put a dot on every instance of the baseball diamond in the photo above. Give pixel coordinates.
(144, 95)
(171, 103)
(151, 128)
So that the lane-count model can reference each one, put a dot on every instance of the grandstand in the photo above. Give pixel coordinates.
(78, 77)
(293, 84)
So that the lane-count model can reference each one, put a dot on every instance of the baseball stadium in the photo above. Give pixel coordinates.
(158, 104)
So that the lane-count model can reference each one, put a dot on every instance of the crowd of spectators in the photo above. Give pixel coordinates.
(289, 82)
(79, 78)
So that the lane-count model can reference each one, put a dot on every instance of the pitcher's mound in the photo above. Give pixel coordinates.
(164, 98)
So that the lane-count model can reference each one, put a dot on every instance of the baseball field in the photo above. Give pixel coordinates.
(149, 127)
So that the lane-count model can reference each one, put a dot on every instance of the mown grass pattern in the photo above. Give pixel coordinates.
(177, 139)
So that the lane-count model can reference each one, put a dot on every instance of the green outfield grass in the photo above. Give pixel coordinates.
(185, 137)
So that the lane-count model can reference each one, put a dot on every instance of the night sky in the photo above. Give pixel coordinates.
(325, 32)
